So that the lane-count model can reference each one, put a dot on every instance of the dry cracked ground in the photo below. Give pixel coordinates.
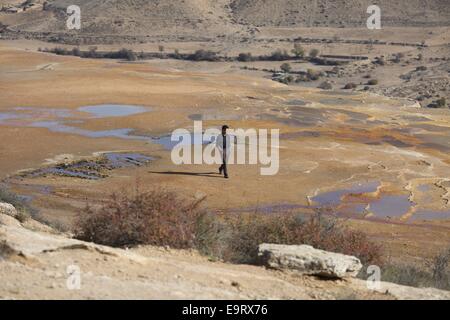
(381, 162)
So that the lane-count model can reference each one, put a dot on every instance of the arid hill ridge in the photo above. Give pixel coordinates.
(220, 18)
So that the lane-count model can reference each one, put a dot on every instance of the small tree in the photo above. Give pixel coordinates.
(161, 48)
(298, 50)
(286, 67)
(314, 53)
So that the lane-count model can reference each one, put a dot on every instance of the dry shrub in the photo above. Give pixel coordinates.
(240, 235)
(440, 270)
(435, 272)
(152, 217)
(163, 219)
(404, 274)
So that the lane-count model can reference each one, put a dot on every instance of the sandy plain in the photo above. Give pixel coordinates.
(384, 154)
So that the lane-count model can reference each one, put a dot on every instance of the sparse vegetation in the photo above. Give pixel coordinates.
(203, 55)
(372, 82)
(436, 273)
(161, 218)
(310, 75)
(125, 54)
(155, 217)
(440, 270)
(244, 232)
(199, 55)
(279, 55)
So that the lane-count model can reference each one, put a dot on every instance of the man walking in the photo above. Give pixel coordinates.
(223, 143)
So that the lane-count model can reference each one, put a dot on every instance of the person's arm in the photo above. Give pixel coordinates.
(219, 142)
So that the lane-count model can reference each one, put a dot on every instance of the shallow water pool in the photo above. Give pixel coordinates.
(113, 110)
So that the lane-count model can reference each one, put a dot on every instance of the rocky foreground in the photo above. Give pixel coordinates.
(36, 262)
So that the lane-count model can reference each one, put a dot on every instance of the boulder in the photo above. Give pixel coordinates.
(308, 260)
(8, 209)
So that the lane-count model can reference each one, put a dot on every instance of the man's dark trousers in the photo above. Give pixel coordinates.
(223, 167)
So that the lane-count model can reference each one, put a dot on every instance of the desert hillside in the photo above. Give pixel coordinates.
(340, 13)
(133, 17)
(224, 18)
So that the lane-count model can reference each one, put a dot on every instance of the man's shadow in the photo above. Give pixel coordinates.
(197, 174)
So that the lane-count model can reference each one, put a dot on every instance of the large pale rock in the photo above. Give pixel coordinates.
(32, 243)
(307, 260)
(31, 260)
(8, 209)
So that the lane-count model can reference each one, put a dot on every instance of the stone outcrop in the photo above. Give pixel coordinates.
(307, 260)
(8, 209)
